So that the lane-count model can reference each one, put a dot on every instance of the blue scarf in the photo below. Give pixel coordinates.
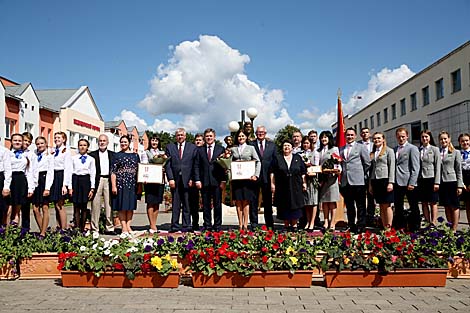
(56, 152)
(39, 156)
(465, 154)
(83, 158)
(18, 154)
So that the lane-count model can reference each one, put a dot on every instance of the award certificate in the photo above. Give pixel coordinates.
(150, 173)
(243, 169)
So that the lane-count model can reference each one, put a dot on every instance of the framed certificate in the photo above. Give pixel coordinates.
(243, 169)
(314, 169)
(150, 173)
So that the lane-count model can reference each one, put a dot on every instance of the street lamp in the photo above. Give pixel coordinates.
(234, 126)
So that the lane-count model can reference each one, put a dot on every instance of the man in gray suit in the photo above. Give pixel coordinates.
(367, 142)
(355, 167)
(406, 179)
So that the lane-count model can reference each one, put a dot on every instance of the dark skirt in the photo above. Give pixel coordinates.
(38, 198)
(288, 214)
(379, 189)
(426, 191)
(154, 193)
(81, 186)
(3, 200)
(448, 194)
(243, 190)
(465, 196)
(56, 188)
(18, 188)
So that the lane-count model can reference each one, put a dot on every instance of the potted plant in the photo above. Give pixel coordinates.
(390, 258)
(263, 258)
(98, 262)
(10, 250)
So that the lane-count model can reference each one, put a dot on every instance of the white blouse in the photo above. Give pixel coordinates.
(63, 161)
(45, 163)
(5, 167)
(84, 167)
(23, 162)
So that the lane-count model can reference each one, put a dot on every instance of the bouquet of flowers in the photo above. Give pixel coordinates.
(159, 159)
(225, 161)
(332, 163)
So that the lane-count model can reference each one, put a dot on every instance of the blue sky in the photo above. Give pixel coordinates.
(286, 58)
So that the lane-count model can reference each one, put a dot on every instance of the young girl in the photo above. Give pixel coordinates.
(429, 176)
(451, 179)
(22, 182)
(329, 189)
(382, 177)
(464, 141)
(83, 182)
(5, 181)
(62, 177)
(45, 172)
(26, 207)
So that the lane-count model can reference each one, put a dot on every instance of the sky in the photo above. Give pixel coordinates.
(160, 65)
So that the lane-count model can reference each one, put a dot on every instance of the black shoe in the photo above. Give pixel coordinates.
(110, 232)
(172, 231)
(195, 227)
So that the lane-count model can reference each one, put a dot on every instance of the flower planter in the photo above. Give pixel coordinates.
(257, 279)
(40, 266)
(119, 280)
(7, 273)
(459, 269)
(399, 278)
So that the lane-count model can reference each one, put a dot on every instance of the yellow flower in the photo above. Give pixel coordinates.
(293, 259)
(289, 250)
(346, 260)
(157, 262)
(174, 264)
(375, 260)
(167, 257)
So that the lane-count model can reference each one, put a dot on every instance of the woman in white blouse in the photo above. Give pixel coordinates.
(5, 181)
(45, 173)
(464, 141)
(83, 182)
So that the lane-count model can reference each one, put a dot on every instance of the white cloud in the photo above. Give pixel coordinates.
(204, 84)
(131, 119)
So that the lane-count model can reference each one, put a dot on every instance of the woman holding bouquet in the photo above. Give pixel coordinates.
(243, 191)
(153, 192)
(329, 188)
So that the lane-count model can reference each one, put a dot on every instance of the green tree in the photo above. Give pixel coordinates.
(283, 134)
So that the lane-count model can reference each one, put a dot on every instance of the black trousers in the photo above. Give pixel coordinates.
(25, 214)
(212, 198)
(267, 204)
(194, 206)
(370, 208)
(180, 204)
(413, 221)
(355, 200)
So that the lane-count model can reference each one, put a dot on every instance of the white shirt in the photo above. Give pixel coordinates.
(347, 149)
(368, 145)
(63, 161)
(45, 163)
(400, 148)
(104, 162)
(86, 168)
(377, 152)
(444, 152)
(26, 164)
(5, 167)
(241, 148)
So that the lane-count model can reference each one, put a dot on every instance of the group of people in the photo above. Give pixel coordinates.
(305, 175)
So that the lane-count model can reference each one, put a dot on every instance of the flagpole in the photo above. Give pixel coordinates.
(340, 141)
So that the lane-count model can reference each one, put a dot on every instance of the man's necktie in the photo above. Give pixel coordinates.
(180, 151)
(209, 153)
(261, 149)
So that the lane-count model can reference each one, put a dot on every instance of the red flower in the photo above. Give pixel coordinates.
(60, 266)
(264, 249)
(421, 260)
(280, 238)
(146, 257)
(268, 237)
(233, 236)
(245, 241)
(128, 254)
(264, 259)
(146, 267)
(118, 266)
(264, 227)
(275, 246)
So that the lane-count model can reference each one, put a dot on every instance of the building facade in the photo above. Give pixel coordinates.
(437, 98)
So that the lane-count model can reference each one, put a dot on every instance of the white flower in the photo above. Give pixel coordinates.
(114, 242)
(87, 233)
(107, 244)
(82, 248)
(107, 252)
(132, 249)
(96, 235)
(94, 246)
(102, 239)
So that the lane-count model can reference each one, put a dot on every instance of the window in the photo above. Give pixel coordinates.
(439, 89)
(360, 126)
(378, 119)
(456, 81)
(365, 123)
(414, 104)
(355, 127)
(403, 106)
(371, 122)
(25, 105)
(425, 92)
(394, 111)
(9, 127)
(425, 125)
(385, 115)
(32, 108)
(28, 127)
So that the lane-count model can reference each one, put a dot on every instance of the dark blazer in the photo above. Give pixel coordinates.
(95, 154)
(266, 160)
(209, 173)
(176, 166)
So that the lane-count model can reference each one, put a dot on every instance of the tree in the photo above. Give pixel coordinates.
(283, 134)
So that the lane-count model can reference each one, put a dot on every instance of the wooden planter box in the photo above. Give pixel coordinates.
(399, 278)
(119, 280)
(257, 279)
(40, 266)
(459, 269)
(6, 272)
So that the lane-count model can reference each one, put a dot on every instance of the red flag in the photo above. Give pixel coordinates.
(340, 140)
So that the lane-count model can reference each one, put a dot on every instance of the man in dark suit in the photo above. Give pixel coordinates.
(210, 178)
(266, 152)
(355, 167)
(103, 158)
(179, 171)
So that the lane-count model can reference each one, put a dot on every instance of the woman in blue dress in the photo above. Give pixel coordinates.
(124, 184)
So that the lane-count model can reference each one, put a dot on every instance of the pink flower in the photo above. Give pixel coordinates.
(394, 258)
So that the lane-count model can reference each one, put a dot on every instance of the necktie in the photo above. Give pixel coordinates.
(465, 154)
(399, 150)
(18, 154)
(39, 156)
(56, 151)
(83, 159)
(181, 150)
(348, 150)
(443, 152)
(261, 149)
(209, 154)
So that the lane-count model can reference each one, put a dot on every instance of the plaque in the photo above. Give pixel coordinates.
(243, 169)
(150, 173)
